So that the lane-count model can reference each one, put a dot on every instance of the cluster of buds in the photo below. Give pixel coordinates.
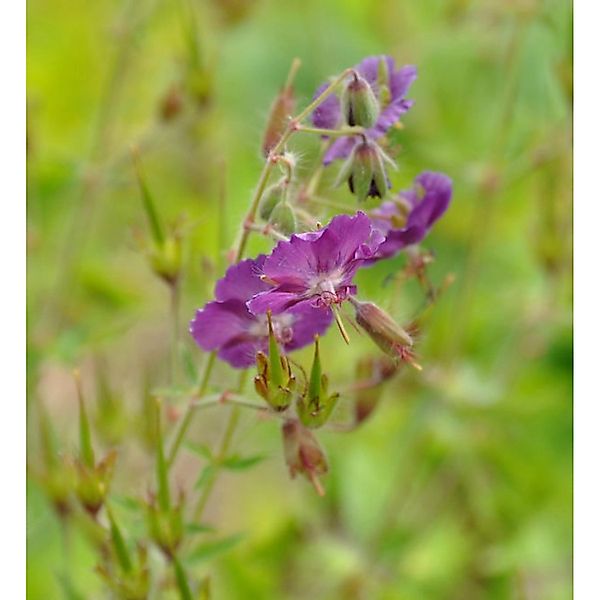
(275, 208)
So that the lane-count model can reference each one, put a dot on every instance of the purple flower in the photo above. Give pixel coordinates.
(408, 219)
(328, 114)
(315, 270)
(226, 325)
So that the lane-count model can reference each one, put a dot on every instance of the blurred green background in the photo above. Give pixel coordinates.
(460, 486)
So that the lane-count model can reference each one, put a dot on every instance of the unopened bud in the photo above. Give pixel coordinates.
(365, 171)
(273, 195)
(93, 482)
(279, 115)
(303, 453)
(283, 218)
(166, 527)
(166, 257)
(359, 104)
(382, 329)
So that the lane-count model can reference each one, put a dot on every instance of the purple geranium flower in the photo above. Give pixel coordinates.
(226, 325)
(407, 219)
(328, 114)
(315, 269)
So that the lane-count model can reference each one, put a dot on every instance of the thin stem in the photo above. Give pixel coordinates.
(189, 413)
(324, 94)
(330, 204)
(232, 422)
(343, 131)
(175, 313)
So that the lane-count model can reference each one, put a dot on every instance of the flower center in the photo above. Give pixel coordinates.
(282, 327)
(326, 289)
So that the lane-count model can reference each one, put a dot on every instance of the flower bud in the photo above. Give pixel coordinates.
(303, 453)
(93, 482)
(359, 104)
(165, 526)
(365, 171)
(316, 404)
(273, 195)
(283, 218)
(382, 329)
(165, 259)
(279, 115)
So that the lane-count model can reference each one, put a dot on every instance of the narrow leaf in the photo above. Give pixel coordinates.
(148, 202)
(209, 550)
(119, 544)
(85, 438)
(182, 583)
(239, 463)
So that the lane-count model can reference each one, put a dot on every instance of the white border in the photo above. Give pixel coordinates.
(587, 300)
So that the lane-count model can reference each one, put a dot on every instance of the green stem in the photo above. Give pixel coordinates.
(189, 413)
(343, 131)
(175, 304)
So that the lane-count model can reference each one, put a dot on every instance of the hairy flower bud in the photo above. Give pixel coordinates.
(359, 104)
(279, 115)
(382, 329)
(365, 171)
(283, 218)
(303, 453)
(273, 195)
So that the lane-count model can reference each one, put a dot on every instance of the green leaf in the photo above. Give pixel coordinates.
(199, 449)
(149, 205)
(238, 463)
(209, 550)
(194, 528)
(119, 544)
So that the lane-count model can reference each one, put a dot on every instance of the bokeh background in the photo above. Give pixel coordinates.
(460, 485)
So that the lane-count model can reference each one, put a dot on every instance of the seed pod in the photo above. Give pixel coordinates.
(303, 453)
(382, 329)
(359, 104)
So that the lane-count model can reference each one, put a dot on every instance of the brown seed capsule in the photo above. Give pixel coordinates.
(382, 329)
(279, 115)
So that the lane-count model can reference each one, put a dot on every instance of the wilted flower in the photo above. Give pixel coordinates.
(226, 325)
(390, 87)
(315, 270)
(303, 453)
(407, 219)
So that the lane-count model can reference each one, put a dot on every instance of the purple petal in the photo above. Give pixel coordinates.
(242, 281)
(308, 321)
(341, 148)
(276, 300)
(241, 354)
(220, 322)
(369, 68)
(437, 189)
(401, 80)
(428, 203)
(388, 117)
(328, 113)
